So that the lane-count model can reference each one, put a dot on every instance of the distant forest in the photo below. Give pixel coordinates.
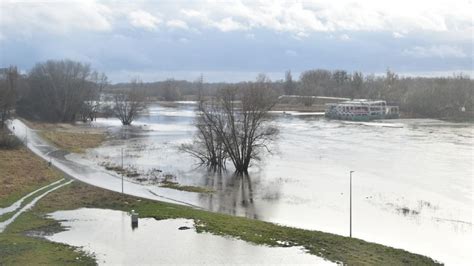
(439, 97)
(65, 91)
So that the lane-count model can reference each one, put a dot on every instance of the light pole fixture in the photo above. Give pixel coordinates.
(122, 169)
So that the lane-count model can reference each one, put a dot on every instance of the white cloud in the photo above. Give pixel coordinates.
(143, 19)
(26, 18)
(228, 24)
(300, 35)
(397, 35)
(176, 23)
(402, 16)
(439, 51)
(297, 16)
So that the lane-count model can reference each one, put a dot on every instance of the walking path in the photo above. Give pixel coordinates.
(91, 173)
(56, 185)
(18, 203)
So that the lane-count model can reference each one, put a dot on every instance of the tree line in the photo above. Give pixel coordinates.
(436, 97)
(65, 91)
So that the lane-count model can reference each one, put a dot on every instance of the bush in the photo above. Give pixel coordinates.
(8, 141)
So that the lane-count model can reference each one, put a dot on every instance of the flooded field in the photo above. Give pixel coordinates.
(109, 236)
(412, 186)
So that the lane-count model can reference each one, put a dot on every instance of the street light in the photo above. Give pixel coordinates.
(350, 204)
(122, 169)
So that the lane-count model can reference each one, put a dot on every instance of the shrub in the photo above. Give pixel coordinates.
(9, 141)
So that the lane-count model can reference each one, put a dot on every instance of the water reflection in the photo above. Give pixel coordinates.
(234, 194)
(164, 242)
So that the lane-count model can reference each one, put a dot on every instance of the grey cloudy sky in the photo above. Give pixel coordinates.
(234, 40)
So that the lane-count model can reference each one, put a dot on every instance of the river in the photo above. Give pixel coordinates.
(412, 180)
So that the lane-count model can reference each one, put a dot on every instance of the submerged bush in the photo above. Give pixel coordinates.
(9, 141)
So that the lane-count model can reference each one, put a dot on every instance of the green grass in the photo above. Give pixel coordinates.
(76, 195)
(17, 249)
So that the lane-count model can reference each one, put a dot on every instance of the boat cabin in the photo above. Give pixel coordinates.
(361, 110)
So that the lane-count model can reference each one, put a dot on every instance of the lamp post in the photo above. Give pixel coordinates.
(122, 169)
(350, 204)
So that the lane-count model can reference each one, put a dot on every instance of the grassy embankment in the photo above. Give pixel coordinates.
(21, 173)
(69, 137)
(77, 195)
(16, 247)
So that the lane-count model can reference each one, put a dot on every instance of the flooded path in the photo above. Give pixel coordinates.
(29, 205)
(115, 242)
(18, 203)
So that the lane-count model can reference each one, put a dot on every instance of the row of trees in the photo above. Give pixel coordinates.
(429, 97)
(65, 91)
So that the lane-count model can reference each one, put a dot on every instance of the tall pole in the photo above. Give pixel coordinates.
(350, 204)
(122, 169)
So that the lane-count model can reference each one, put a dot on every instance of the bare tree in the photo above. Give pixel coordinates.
(235, 125)
(57, 91)
(129, 103)
(8, 87)
(289, 85)
(170, 90)
(91, 104)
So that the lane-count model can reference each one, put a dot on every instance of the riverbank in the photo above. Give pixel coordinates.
(79, 195)
(69, 137)
(20, 244)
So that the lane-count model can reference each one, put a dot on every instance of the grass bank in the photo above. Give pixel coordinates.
(21, 172)
(177, 186)
(69, 137)
(77, 195)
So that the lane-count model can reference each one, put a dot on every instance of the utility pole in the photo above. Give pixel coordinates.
(122, 169)
(350, 204)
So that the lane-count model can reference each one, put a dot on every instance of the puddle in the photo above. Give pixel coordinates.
(108, 234)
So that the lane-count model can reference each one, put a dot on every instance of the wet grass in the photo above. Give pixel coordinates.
(72, 142)
(18, 249)
(77, 195)
(21, 172)
(177, 186)
(68, 137)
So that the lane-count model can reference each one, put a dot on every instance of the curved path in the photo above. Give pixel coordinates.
(29, 205)
(91, 173)
(18, 203)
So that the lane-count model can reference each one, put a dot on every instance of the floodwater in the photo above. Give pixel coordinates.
(109, 236)
(412, 185)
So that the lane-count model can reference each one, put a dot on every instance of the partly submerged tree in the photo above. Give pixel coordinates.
(235, 126)
(8, 90)
(130, 102)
